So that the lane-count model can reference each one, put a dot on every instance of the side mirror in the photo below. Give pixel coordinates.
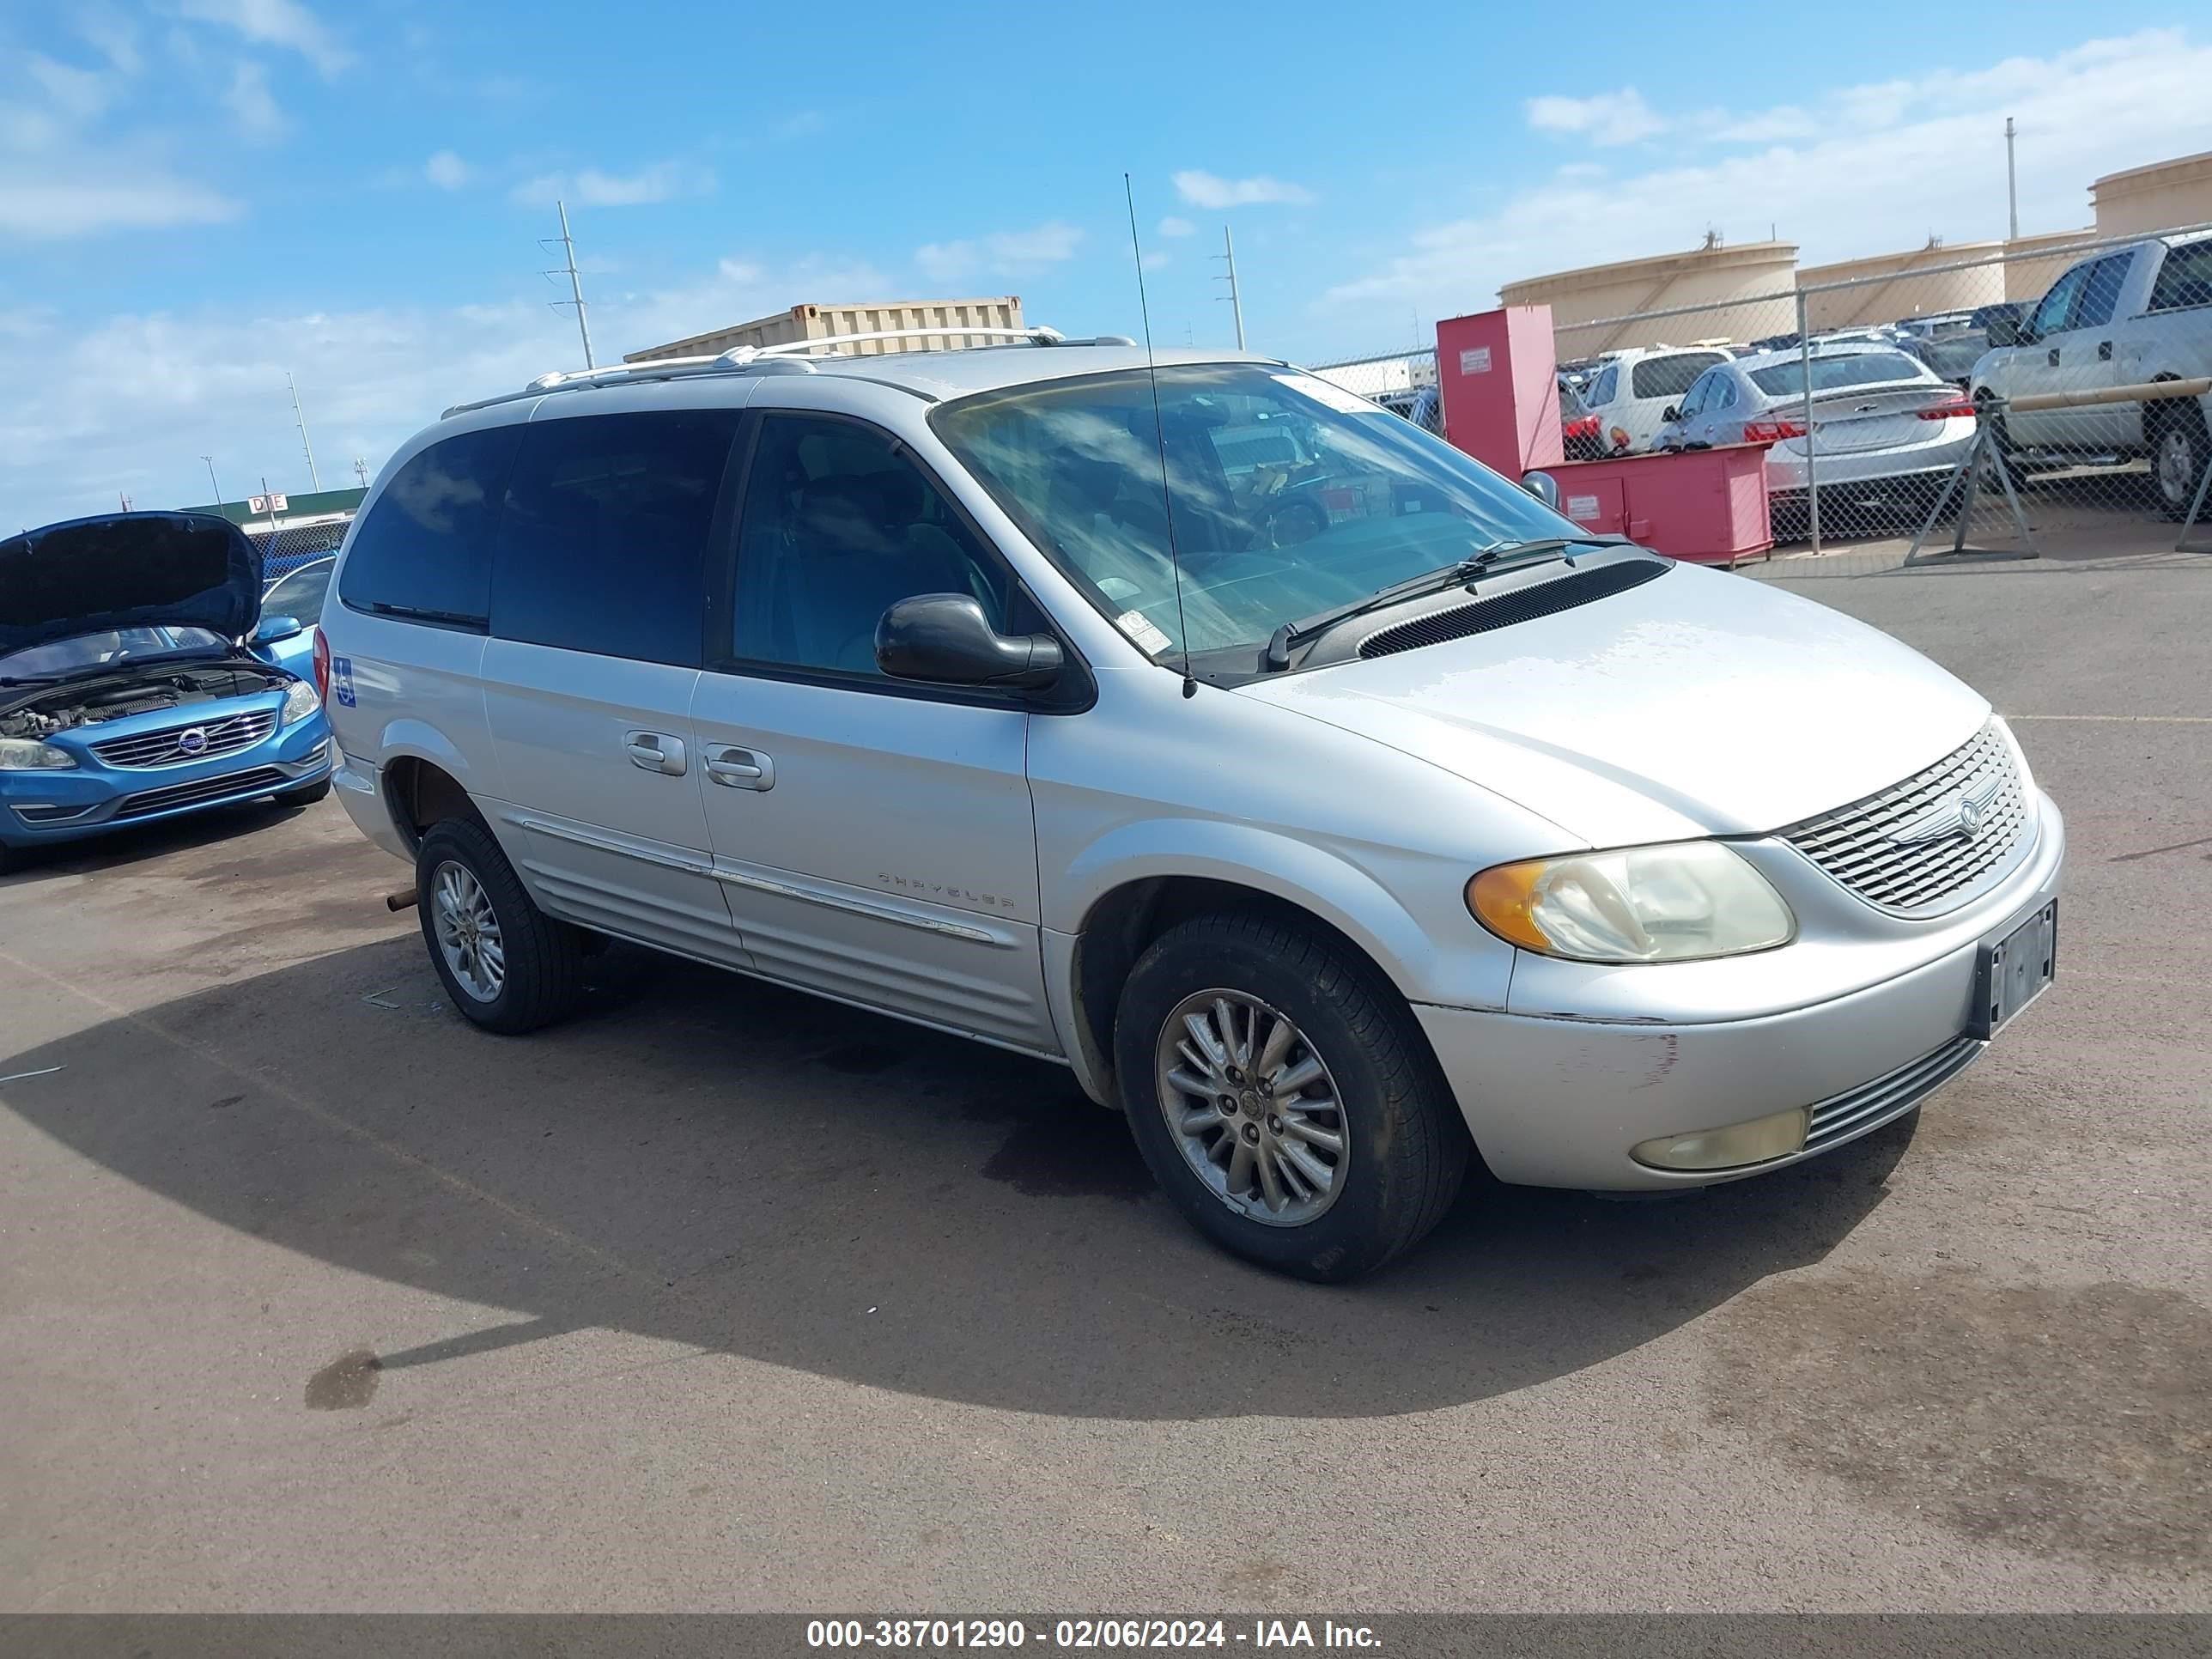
(944, 639)
(273, 628)
(1544, 487)
(1670, 413)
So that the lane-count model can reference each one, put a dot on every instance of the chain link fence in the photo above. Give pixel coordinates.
(285, 548)
(2045, 402)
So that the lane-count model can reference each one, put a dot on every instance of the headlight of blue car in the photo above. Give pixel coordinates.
(28, 754)
(299, 703)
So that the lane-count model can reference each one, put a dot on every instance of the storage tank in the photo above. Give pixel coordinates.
(2163, 196)
(2031, 266)
(1889, 288)
(1720, 280)
(820, 322)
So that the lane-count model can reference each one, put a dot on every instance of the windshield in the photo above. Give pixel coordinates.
(95, 650)
(300, 595)
(1837, 373)
(1287, 495)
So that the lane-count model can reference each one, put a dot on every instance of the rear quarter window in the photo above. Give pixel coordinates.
(603, 546)
(423, 549)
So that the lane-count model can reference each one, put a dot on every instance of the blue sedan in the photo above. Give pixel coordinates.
(136, 683)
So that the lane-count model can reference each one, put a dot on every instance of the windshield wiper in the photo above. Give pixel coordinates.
(1291, 635)
(32, 679)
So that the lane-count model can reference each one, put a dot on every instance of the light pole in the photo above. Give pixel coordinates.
(212, 484)
(2012, 181)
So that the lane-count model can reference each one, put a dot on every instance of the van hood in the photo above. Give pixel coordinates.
(127, 570)
(1704, 703)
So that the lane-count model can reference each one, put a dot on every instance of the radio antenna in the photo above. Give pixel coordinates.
(1160, 434)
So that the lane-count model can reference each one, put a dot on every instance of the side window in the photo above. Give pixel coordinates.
(1602, 392)
(2050, 313)
(837, 527)
(603, 546)
(424, 550)
(1693, 400)
(2185, 280)
(2100, 291)
(1723, 392)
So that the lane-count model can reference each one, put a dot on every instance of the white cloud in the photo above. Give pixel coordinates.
(448, 171)
(1938, 163)
(1003, 253)
(592, 187)
(273, 23)
(250, 103)
(1173, 226)
(78, 93)
(129, 403)
(1605, 119)
(51, 208)
(1209, 190)
(1157, 261)
(113, 39)
(803, 124)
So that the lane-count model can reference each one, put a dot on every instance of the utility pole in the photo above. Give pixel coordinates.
(575, 282)
(2012, 181)
(212, 484)
(272, 503)
(360, 469)
(314, 476)
(1236, 302)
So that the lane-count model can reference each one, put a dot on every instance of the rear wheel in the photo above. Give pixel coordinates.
(1999, 460)
(507, 965)
(2179, 454)
(1283, 1098)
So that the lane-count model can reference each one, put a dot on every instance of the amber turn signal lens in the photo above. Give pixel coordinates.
(1501, 899)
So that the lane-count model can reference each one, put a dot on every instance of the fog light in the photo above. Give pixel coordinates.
(1759, 1141)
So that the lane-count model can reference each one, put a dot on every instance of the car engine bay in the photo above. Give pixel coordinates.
(40, 712)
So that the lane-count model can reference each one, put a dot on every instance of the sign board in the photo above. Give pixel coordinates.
(1475, 360)
(260, 504)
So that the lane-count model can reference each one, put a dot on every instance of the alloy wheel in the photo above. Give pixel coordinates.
(468, 932)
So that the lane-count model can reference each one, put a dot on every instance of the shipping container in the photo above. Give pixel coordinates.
(820, 322)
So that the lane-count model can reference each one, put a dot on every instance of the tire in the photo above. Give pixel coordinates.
(540, 961)
(306, 796)
(2000, 454)
(2180, 452)
(1404, 1146)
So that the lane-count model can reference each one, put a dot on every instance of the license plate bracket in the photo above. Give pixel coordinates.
(2013, 970)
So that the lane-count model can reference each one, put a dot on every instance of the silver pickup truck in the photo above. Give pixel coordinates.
(2123, 316)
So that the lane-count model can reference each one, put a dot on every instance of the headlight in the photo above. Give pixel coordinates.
(1673, 903)
(299, 703)
(28, 754)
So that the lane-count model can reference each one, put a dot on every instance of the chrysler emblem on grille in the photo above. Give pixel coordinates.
(1962, 813)
(192, 740)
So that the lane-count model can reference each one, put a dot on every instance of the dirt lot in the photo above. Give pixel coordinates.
(312, 1297)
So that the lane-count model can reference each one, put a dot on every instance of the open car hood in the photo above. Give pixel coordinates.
(127, 570)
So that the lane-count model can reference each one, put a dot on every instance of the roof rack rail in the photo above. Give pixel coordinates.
(785, 357)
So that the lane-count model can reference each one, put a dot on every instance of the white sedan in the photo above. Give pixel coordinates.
(1888, 430)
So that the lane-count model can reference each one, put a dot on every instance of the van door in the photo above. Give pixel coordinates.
(597, 617)
(874, 837)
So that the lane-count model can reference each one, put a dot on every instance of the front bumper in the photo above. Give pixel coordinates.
(39, 808)
(1554, 1101)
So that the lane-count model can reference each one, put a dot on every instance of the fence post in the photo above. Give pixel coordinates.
(1812, 462)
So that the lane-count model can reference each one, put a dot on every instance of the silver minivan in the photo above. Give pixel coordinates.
(1328, 805)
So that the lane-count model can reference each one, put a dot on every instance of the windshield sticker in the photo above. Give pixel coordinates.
(1139, 626)
(1326, 394)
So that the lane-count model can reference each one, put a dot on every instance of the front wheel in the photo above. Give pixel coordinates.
(1283, 1098)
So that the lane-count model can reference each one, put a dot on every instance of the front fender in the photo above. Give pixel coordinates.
(1438, 954)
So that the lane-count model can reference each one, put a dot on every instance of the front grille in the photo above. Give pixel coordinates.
(1840, 1117)
(260, 780)
(1523, 605)
(172, 745)
(1909, 849)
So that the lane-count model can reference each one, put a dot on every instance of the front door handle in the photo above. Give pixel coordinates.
(2104, 351)
(740, 768)
(654, 751)
(2054, 356)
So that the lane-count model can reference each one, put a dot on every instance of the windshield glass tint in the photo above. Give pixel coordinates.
(93, 650)
(1287, 495)
(1835, 374)
(1670, 377)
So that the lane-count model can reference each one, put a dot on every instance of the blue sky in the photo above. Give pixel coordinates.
(197, 195)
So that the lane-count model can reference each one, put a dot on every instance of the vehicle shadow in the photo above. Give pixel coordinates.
(135, 842)
(706, 1160)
